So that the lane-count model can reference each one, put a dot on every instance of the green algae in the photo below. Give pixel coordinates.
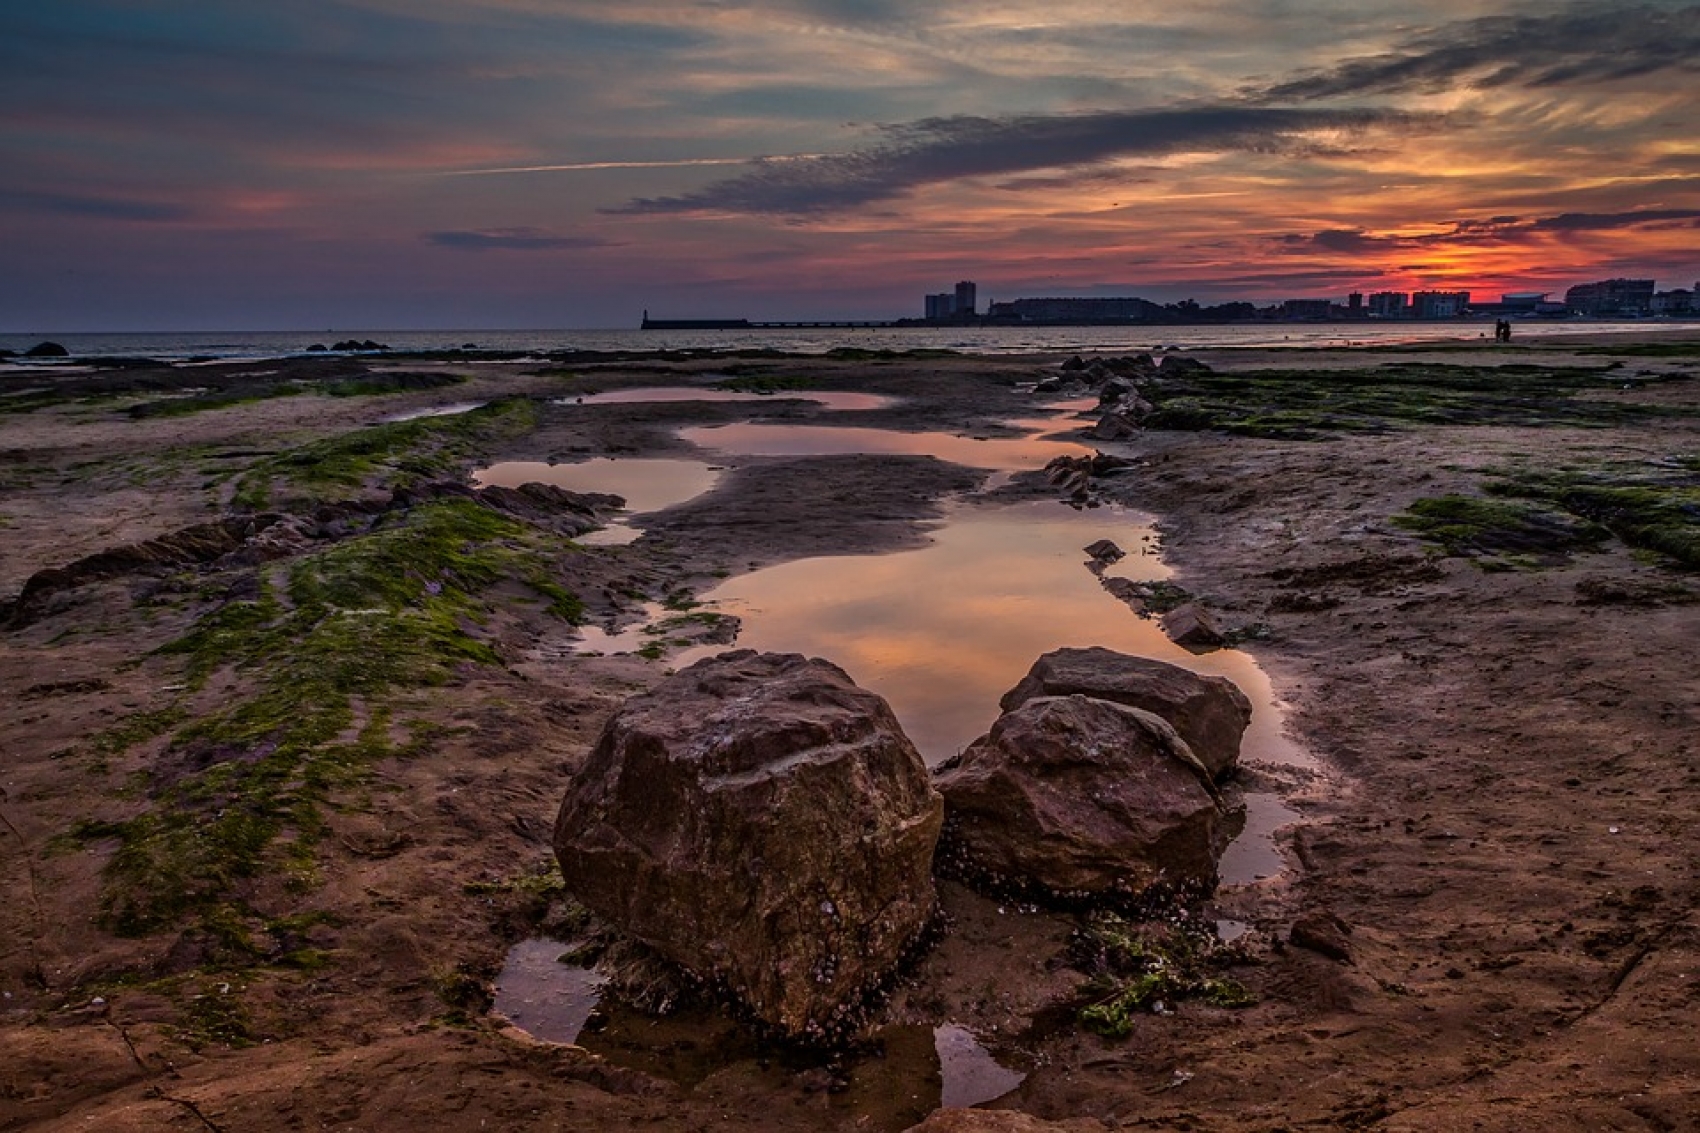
(213, 399)
(1297, 404)
(388, 382)
(765, 383)
(325, 647)
(1135, 966)
(1538, 516)
(394, 454)
(1496, 530)
(1653, 506)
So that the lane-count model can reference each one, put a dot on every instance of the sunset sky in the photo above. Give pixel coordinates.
(185, 165)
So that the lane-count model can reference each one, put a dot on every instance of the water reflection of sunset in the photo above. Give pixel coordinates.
(823, 440)
(646, 485)
(945, 631)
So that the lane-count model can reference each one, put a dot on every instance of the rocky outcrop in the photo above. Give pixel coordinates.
(762, 822)
(246, 540)
(1210, 713)
(1175, 365)
(1192, 626)
(1076, 475)
(1323, 933)
(571, 513)
(47, 350)
(1104, 552)
(200, 544)
(1127, 388)
(1122, 417)
(1070, 799)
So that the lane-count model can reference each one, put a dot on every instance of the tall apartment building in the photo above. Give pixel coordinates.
(953, 304)
(1611, 297)
(1439, 304)
(1389, 304)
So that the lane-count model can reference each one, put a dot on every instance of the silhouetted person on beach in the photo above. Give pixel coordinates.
(1502, 331)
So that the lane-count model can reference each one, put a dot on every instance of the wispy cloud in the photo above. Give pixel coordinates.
(1493, 231)
(512, 239)
(1577, 44)
(938, 150)
(583, 166)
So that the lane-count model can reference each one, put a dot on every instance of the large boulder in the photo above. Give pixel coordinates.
(1210, 713)
(765, 824)
(1075, 800)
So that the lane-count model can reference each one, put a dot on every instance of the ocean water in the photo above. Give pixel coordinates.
(236, 345)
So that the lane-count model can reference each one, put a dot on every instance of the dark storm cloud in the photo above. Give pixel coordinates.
(104, 208)
(1576, 44)
(1084, 178)
(1498, 230)
(1600, 221)
(937, 150)
(511, 239)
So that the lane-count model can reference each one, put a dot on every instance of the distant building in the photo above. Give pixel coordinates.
(1677, 301)
(1611, 297)
(1307, 308)
(1439, 304)
(967, 298)
(941, 306)
(1524, 301)
(1389, 304)
(1355, 305)
(1078, 310)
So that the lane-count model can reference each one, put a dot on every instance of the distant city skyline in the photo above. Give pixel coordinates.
(561, 163)
(1609, 297)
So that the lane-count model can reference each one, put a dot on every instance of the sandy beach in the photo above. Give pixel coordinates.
(1487, 917)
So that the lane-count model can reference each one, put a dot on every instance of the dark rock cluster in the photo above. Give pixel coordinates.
(348, 346)
(1125, 387)
(763, 824)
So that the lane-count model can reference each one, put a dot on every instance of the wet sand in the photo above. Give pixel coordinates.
(1500, 833)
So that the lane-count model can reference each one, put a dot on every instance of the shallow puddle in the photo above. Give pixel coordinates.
(646, 486)
(831, 399)
(969, 1073)
(543, 997)
(943, 631)
(911, 1071)
(436, 411)
(999, 453)
(1253, 855)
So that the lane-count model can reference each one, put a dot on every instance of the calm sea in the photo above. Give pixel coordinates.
(973, 340)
